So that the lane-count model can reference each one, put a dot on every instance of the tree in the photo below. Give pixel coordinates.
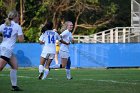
(88, 16)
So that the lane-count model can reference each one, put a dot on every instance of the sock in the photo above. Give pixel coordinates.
(55, 66)
(13, 77)
(46, 72)
(60, 66)
(41, 68)
(68, 74)
(68, 63)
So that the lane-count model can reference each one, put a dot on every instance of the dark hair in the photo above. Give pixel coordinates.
(48, 26)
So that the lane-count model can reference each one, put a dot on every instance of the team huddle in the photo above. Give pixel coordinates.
(11, 31)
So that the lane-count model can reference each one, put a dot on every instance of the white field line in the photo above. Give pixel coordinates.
(22, 76)
(113, 81)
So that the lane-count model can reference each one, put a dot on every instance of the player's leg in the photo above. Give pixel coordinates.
(56, 57)
(2, 64)
(7, 56)
(57, 51)
(3, 59)
(57, 65)
(46, 69)
(68, 73)
(64, 57)
(13, 73)
(49, 58)
(64, 62)
(41, 67)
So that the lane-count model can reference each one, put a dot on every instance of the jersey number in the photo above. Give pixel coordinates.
(51, 39)
(7, 32)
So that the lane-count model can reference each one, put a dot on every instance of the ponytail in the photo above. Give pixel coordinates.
(11, 16)
(43, 29)
(7, 21)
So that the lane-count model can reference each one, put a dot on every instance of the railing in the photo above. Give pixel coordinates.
(114, 35)
(118, 34)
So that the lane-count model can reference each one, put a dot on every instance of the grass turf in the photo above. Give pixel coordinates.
(84, 81)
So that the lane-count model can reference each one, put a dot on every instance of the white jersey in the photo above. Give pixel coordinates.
(10, 34)
(67, 37)
(49, 38)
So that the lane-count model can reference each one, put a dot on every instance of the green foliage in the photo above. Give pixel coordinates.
(32, 34)
(95, 12)
(111, 9)
(1, 3)
(93, 1)
(2, 12)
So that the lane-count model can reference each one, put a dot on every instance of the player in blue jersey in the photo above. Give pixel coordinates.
(10, 31)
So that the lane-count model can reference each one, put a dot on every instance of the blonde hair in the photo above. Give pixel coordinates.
(11, 16)
(64, 26)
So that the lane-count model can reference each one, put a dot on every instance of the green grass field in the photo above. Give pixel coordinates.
(84, 81)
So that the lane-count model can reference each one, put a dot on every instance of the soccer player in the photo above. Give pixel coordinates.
(10, 31)
(66, 36)
(48, 38)
(57, 44)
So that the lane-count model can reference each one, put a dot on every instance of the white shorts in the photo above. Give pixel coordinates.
(5, 52)
(47, 55)
(64, 54)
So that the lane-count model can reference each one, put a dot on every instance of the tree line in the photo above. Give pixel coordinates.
(88, 16)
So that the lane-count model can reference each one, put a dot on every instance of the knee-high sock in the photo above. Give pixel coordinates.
(46, 72)
(68, 74)
(13, 77)
(68, 63)
(41, 68)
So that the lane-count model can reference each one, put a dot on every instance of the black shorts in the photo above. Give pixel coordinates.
(5, 58)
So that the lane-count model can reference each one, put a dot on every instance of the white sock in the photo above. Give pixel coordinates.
(41, 68)
(46, 72)
(13, 77)
(68, 73)
(55, 66)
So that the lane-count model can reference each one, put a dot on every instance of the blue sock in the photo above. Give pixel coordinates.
(68, 64)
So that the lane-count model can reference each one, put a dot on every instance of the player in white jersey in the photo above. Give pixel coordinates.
(48, 38)
(10, 31)
(66, 36)
(64, 49)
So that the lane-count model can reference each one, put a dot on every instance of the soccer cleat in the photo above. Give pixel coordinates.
(16, 88)
(70, 78)
(43, 78)
(56, 66)
(40, 76)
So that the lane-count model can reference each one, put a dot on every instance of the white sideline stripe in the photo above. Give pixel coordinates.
(113, 81)
(22, 76)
